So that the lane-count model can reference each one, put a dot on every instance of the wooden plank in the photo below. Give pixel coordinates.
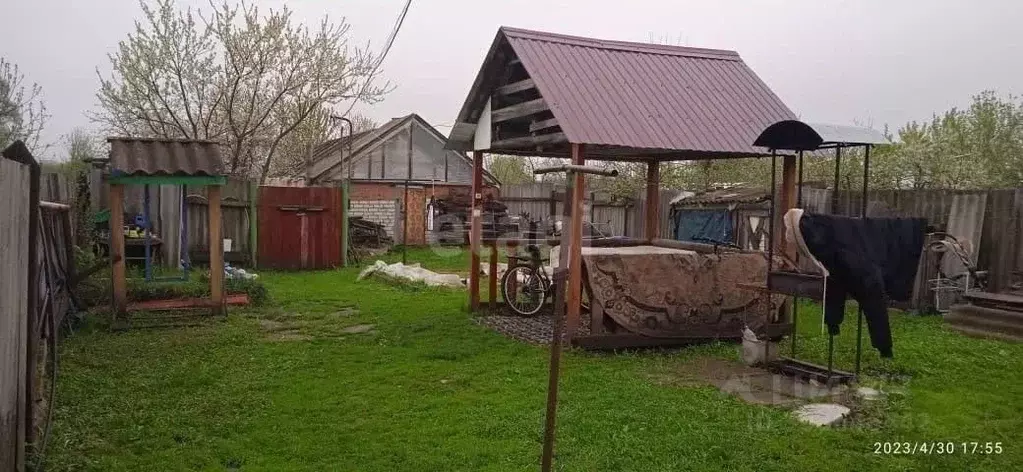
(653, 181)
(596, 317)
(475, 230)
(1007, 299)
(14, 241)
(216, 245)
(518, 110)
(119, 274)
(575, 279)
(530, 141)
(493, 276)
(543, 124)
(516, 87)
(185, 303)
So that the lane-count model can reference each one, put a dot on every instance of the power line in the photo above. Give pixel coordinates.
(383, 54)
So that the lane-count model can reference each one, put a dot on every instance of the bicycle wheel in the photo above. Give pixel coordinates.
(529, 291)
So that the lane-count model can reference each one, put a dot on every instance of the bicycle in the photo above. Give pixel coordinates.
(525, 287)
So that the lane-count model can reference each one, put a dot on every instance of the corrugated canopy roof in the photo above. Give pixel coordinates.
(177, 157)
(631, 99)
(795, 135)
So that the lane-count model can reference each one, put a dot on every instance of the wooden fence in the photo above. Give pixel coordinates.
(15, 189)
(992, 220)
(37, 262)
(615, 216)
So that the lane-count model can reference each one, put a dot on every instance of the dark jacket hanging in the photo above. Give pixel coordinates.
(873, 260)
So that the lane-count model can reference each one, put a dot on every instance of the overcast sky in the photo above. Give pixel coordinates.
(855, 61)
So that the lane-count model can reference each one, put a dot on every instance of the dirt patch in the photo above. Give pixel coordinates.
(752, 384)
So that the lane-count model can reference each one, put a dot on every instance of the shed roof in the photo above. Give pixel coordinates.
(170, 157)
(328, 155)
(729, 195)
(632, 99)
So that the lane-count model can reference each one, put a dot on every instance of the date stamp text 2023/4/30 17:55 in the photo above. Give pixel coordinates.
(938, 447)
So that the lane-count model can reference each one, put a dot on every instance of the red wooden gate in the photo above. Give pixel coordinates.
(299, 227)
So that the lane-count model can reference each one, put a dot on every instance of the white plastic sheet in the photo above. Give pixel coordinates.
(413, 273)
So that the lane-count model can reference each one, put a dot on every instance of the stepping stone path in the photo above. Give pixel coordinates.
(868, 393)
(358, 329)
(821, 414)
(346, 311)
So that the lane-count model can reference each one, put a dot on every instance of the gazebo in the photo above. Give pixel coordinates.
(543, 94)
(155, 161)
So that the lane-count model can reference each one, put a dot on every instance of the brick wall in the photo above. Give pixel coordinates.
(382, 203)
(384, 212)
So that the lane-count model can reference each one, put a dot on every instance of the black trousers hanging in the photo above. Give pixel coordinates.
(872, 260)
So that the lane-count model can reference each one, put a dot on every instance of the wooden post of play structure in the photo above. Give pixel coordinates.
(653, 180)
(475, 230)
(119, 274)
(575, 242)
(786, 201)
(216, 253)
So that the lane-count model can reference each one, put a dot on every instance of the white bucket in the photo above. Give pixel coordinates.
(756, 351)
(227, 245)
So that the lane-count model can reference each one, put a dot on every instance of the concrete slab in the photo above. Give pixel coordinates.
(821, 414)
(756, 385)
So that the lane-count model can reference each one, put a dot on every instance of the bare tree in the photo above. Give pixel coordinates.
(22, 111)
(254, 82)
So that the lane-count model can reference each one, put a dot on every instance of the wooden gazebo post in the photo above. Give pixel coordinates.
(653, 200)
(575, 243)
(216, 253)
(475, 230)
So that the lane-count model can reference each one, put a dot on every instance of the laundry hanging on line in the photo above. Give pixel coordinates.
(873, 260)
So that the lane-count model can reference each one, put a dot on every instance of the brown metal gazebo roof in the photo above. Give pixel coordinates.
(624, 100)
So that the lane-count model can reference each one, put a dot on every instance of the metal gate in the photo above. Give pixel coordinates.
(299, 227)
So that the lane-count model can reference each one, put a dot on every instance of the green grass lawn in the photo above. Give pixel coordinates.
(430, 390)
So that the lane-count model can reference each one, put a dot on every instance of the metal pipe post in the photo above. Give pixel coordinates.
(799, 189)
(560, 295)
(831, 355)
(771, 214)
(148, 243)
(834, 189)
(795, 300)
(863, 214)
(184, 258)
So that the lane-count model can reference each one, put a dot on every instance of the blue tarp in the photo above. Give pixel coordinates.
(710, 224)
